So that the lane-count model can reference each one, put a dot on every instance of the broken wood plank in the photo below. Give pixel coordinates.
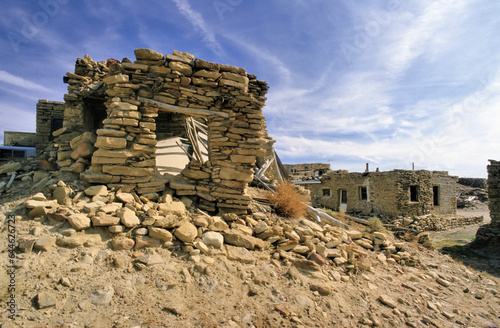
(183, 110)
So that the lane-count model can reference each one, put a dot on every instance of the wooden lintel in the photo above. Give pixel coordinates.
(198, 112)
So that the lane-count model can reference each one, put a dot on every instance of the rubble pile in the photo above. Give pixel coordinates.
(100, 256)
(127, 221)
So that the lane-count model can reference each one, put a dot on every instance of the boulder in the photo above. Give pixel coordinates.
(186, 232)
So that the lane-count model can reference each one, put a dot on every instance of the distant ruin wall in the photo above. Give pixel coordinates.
(490, 234)
(19, 139)
(49, 117)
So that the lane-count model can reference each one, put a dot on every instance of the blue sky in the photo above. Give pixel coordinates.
(388, 82)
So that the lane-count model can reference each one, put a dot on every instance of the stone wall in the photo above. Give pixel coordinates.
(299, 171)
(110, 113)
(48, 115)
(19, 139)
(490, 234)
(387, 193)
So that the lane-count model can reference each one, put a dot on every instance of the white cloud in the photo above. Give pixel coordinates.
(6, 77)
(196, 19)
(424, 34)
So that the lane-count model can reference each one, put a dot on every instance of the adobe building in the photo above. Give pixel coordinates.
(306, 170)
(165, 121)
(391, 193)
(489, 234)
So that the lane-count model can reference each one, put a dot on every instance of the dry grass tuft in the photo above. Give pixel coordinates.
(287, 201)
(374, 224)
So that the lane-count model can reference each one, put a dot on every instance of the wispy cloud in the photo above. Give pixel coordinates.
(196, 19)
(423, 34)
(6, 77)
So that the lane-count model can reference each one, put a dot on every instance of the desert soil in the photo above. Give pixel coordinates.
(175, 287)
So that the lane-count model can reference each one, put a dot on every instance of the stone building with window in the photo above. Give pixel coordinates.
(390, 193)
(306, 170)
(165, 121)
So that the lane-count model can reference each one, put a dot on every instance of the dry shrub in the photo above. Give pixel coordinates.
(374, 224)
(287, 201)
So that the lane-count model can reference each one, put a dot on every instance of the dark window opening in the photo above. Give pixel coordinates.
(326, 192)
(11, 153)
(55, 124)
(94, 112)
(363, 193)
(435, 191)
(413, 193)
(343, 196)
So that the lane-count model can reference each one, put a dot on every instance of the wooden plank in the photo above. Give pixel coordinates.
(183, 110)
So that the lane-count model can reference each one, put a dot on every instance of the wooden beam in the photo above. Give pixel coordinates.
(183, 110)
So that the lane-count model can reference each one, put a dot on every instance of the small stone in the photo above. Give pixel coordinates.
(141, 232)
(79, 221)
(125, 197)
(45, 243)
(186, 232)
(102, 296)
(46, 300)
(39, 196)
(386, 300)
(61, 194)
(218, 224)
(321, 289)
(213, 239)
(122, 243)
(317, 258)
(65, 282)
(443, 282)
(96, 191)
(354, 234)
(128, 217)
(160, 233)
(286, 312)
(116, 229)
(151, 259)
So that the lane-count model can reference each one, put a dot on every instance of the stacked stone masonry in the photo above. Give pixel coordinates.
(489, 234)
(301, 171)
(49, 114)
(392, 193)
(110, 122)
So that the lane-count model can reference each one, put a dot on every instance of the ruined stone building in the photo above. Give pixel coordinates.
(49, 118)
(164, 121)
(390, 193)
(489, 234)
(300, 171)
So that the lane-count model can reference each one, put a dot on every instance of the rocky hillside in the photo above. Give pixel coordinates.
(92, 257)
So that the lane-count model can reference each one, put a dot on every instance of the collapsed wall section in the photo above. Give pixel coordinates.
(489, 234)
(110, 122)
